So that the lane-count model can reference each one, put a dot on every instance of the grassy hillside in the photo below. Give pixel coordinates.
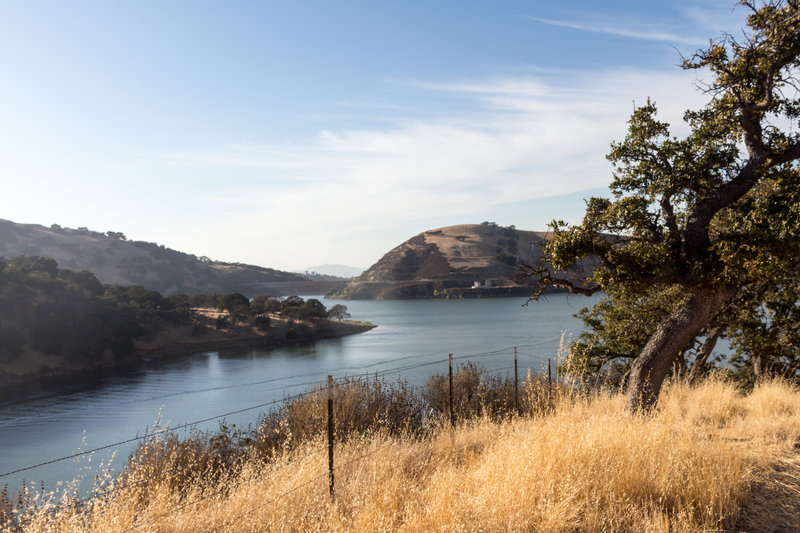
(114, 259)
(446, 263)
(709, 459)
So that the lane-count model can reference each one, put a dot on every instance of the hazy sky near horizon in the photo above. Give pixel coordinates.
(290, 134)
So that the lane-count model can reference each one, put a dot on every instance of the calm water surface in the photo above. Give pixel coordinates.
(59, 422)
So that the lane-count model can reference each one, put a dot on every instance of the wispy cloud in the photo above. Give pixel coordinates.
(715, 15)
(649, 34)
(523, 138)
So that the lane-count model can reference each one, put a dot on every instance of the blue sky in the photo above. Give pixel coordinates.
(289, 134)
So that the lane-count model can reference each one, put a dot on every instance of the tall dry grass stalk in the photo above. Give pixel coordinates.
(585, 465)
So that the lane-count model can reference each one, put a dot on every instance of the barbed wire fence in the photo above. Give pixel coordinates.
(314, 388)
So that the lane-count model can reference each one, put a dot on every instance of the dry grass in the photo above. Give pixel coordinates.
(695, 464)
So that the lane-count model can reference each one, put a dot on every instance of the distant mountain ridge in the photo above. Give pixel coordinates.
(339, 271)
(114, 259)
(463, 261)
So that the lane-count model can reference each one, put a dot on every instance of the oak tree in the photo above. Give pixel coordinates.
(698, 222)
(339, 312)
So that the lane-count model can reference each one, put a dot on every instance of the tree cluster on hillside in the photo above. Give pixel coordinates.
(73, 316)
(241, 314)
(508, 248)
(293, 308)
(702, 236)
(240, 307)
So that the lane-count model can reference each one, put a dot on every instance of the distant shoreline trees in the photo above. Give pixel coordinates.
(73, 316)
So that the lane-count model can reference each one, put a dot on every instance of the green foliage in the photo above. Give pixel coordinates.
(137, 297)
(702, 228)
(243, 313)
(71, 315)
(295, 308)
(233, 302)
(83, 327)
(179, 301)
(338, 312)
(509, 260)
(86, 281)
(261, 322)
(265, 304)
(291, 301)
(12, 343)
(34, 265)
(204, 300)
(767, 327)
(237, 305)
(313, 308)
(620, 324)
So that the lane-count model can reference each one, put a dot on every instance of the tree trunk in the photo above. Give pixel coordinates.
(651, 367)
(699, 364)
(760, 363)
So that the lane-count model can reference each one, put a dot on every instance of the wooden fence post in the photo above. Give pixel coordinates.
(452, 415)
(330, 434)
(516, 383)
(549, 386)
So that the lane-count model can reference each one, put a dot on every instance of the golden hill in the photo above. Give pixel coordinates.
(467, 260)
(115, 260)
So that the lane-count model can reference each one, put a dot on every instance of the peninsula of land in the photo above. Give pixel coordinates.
(58, 324)
(170, 343)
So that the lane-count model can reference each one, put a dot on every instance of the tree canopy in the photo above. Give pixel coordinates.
(339, 312)
(699, 229)
(295, 308)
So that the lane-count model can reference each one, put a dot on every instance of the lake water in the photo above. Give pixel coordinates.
(59, 422)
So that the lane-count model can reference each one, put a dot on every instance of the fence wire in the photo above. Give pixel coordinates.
(380, 373)
(160, 432)
(317, 386)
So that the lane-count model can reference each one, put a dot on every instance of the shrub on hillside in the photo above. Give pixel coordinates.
(477, 393)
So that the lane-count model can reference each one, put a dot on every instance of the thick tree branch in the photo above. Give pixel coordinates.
(545, 278)
(696, 239)
(696, 234)
(785, 156)
(750, 120)
(669, 214)
(698, 367)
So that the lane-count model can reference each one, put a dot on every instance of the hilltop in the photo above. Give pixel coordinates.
(337, 271)
(115, 260)
(462, 261)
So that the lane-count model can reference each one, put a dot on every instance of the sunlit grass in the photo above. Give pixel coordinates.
(586, 465)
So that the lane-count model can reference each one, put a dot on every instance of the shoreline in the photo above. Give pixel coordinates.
(429, 290)
(172, 344)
